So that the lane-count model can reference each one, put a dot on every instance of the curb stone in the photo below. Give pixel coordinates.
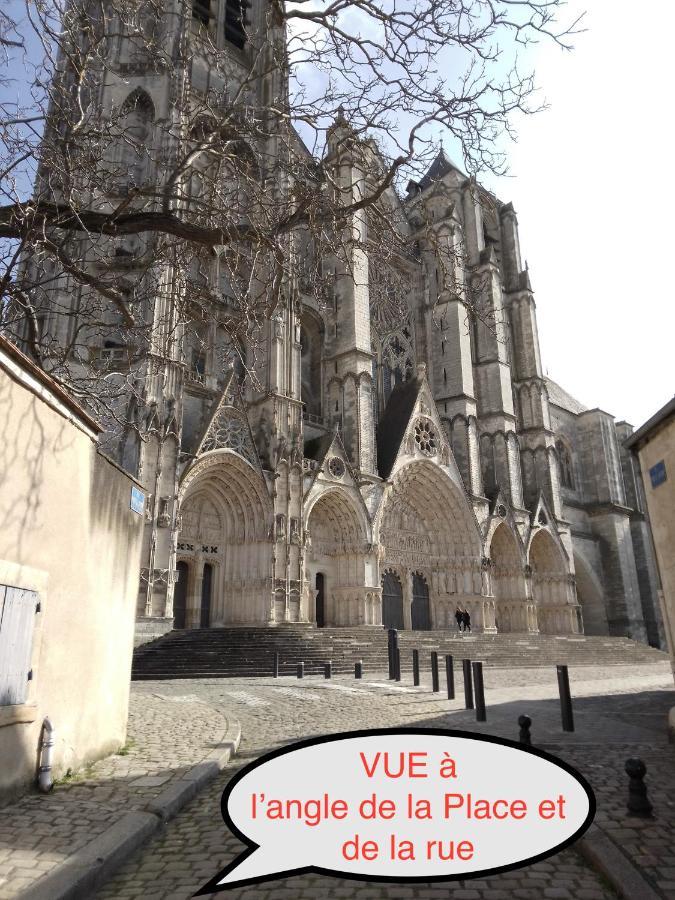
(95, 863)
(605, 857)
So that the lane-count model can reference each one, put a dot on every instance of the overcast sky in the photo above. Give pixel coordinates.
(592, 183)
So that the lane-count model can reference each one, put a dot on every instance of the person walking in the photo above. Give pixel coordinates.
(466, 620)
(459, 615)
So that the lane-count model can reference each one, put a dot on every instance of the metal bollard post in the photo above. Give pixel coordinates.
(416, 667)
(301, 670)
(565, 698)
(468, 684)
(392, 641)
(524, 735)
(276, 664)
(434, 672)
(479, 690)
(638, 802)
(358, 669)
(450, 676)
(397, 662)
(328, 669)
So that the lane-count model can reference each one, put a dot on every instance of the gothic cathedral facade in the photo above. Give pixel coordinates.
(378, 469)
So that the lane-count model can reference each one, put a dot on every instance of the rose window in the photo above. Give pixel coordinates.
(425, 438)
(336, 467)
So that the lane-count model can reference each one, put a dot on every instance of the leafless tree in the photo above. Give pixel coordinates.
(124, 227)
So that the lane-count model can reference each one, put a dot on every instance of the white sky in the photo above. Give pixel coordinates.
(593, 188)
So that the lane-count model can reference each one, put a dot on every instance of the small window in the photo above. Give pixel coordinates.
(18, 608)
(236, 21)
(199, 361)
(565, 465)
(113, 352)
(201, 11)
(281, 526)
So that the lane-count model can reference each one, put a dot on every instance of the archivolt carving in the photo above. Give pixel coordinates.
(426, 517)
(229, 430)
(334, 526)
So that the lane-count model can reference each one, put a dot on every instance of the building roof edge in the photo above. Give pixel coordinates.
(645, 432)
(47, 382)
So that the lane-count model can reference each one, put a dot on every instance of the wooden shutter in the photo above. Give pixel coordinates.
(17, 621)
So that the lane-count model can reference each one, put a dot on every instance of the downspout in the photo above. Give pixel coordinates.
(153, 533)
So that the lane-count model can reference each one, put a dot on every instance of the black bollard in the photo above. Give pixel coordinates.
(390, 655)
(524, 735)
(301, 670)
(468, 684)
(416, 667)
(479, 690)
(328, 669)
(392, 642)
(276, 664)
(638, 801)
(450, 676)
(565, 698)
(358, 669)
(434, 672)
(397, 662)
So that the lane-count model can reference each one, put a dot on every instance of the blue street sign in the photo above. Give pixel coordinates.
(657, 474)
(137, 500)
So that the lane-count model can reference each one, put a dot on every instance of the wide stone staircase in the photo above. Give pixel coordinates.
(249, 651)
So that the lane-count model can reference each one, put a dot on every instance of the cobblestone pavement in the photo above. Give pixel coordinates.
(168, 734)
(619, 712)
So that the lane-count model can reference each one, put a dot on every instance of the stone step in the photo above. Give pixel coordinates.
(249, 651)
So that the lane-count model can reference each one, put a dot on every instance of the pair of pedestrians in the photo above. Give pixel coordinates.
(463, 619)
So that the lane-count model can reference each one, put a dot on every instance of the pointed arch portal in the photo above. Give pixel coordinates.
(225, 531)
(552, 590)
(513, 611)
(431, 540)
(337, 551)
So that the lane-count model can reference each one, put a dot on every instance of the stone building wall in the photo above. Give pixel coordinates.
(70, 552)
(651, 463)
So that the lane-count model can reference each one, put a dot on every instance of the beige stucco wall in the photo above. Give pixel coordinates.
(660, 445)
(67, 531)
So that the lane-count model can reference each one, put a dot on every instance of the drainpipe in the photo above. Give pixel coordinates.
(153, 533)
(45, 780)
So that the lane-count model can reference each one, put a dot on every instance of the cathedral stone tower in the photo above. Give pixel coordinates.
(347, 461)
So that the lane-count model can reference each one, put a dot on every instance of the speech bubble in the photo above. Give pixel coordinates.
(401, 805)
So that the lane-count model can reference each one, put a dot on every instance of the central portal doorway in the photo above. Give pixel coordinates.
(392, 601)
